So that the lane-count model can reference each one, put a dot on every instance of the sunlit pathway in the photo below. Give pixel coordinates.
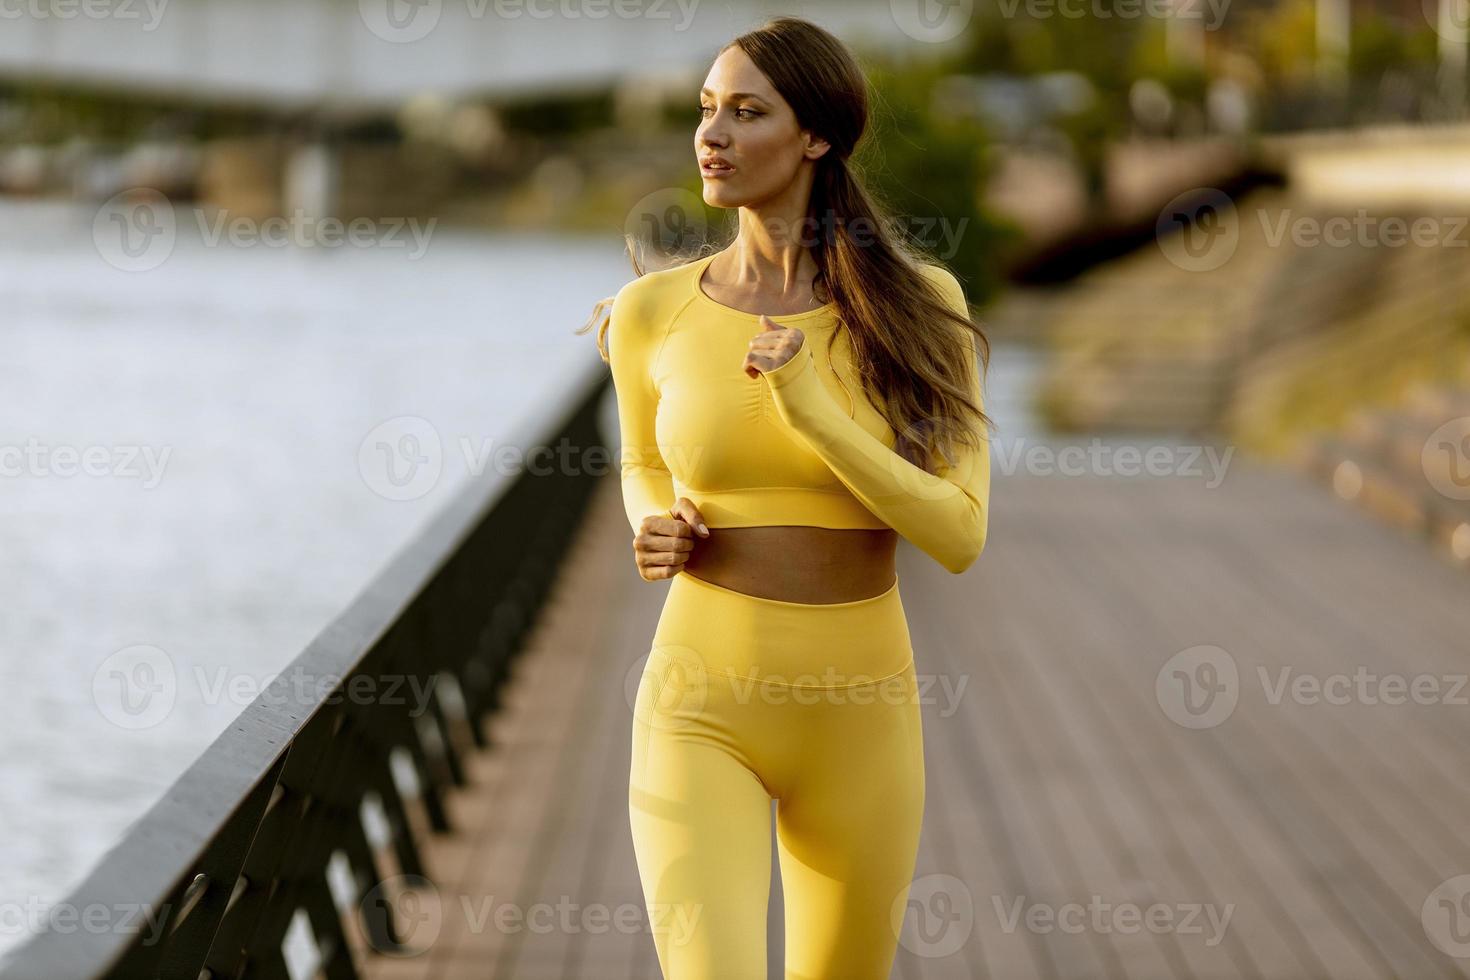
(1294, 821)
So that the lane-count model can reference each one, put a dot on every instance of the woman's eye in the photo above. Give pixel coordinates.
(704, 108)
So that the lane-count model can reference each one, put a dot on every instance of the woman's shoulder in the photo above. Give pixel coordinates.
(656, 287)
(647, 304)
(948, 287)
(942, 277)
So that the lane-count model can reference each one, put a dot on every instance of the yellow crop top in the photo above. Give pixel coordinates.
(797, 445)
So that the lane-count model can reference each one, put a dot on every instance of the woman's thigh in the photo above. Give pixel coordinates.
(848, 829)
(701, 824)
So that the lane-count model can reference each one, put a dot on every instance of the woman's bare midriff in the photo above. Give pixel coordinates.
(797, 564)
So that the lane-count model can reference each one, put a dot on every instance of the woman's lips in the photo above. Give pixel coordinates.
(715, 170)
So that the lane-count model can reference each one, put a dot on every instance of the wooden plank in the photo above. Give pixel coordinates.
(968, 832)
(1007, 780)
(1198, 824)
(1153, 870)
(1321, 817)
(1235, 851)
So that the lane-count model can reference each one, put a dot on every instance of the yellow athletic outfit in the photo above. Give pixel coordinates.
(744, 699)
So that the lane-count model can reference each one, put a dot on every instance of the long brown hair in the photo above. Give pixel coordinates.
(913, 365)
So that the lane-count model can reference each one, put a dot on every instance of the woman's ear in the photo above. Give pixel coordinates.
(816, 147)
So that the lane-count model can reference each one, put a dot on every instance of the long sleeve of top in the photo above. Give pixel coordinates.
(945, 515)
(634, 332)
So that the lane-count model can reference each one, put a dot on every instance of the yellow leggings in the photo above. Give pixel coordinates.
(744, 699)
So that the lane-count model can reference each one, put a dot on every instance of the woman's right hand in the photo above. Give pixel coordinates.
(664, 541)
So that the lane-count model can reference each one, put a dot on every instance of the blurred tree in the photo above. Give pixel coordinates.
(55, 112)
(1187, 83)
(1104, 50)
(930, 171)
(1284, 38)
(559, 114)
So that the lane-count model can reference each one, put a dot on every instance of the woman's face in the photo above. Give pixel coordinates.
(747, 123)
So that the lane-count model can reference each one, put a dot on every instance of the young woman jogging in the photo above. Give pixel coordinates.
(789, 406)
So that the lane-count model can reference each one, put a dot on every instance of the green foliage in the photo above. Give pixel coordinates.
(1102, 49)
(1284, 40)
(1111, 53)
(53, 112)
(1380, 45)
(929, 172)
(560, 114)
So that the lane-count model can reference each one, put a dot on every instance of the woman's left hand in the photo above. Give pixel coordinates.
(772, 347)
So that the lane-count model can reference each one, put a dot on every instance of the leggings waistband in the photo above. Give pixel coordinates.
(838, 644)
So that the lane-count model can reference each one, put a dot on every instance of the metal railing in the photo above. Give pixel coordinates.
(217, 869)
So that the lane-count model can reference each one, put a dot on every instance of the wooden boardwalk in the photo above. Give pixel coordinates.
(1060, 790)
